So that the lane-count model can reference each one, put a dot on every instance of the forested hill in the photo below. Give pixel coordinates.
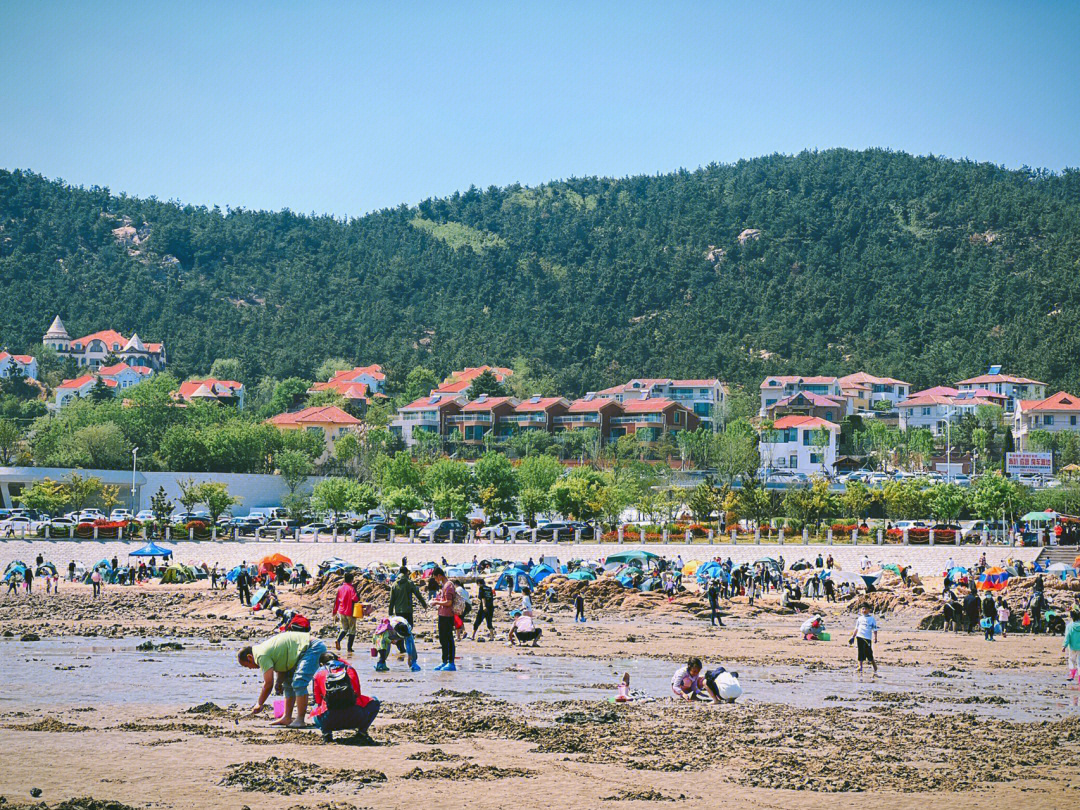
(920, 268)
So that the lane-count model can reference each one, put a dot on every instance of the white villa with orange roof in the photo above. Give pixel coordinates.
(357, 385)
(1015, 388)
(430, 414)
(117, 377)
(804, 444)
(90, 351)
(1053, 414)
(28, 364)
(934, 411)
(876, 389)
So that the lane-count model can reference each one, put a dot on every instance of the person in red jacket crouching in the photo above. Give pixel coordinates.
(339, 705)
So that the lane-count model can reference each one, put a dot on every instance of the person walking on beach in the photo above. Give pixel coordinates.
(71, 571)
(1003, 616)
(989, 616)
(243, 584)
(95, 579)
(714, 604)
(866, 633)
(1070, 644)
(213, 577)
(294, 655)
(444, 605)
(28, 579)
(485, 610)
(579, 608)
(972, 608)
(344, 601)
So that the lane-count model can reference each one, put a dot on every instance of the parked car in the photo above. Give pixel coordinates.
(376, 530)
(910, 524)
(548, 531)
(63, 523)
(16, 524)
(245, 526)
(120, 514)
(315, 529)
(438, 531)
(504, 530)
(284, 525)
(143, 515)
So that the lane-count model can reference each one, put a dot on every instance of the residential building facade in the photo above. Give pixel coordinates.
(831, 409)
(459, 382)
(778, 387)
(92, 350)
(329, 420)
(429, 414)
(803, 444)
(1014, 388)
(876, 389)
(225, 392)
(705, 398)
(935, 412)
(359, 386)
(117, 377)
(1054, 414)
(25, 362)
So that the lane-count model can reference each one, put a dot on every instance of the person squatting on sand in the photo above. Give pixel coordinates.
(296, 656)
(339, 703)
(717, 685)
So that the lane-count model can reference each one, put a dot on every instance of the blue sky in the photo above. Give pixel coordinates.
(347, 107)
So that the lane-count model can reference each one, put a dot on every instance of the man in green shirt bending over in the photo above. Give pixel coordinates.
(296, 656)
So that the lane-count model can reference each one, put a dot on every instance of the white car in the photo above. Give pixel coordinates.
(120, 514)
(16, 524)
(144, 515)
(504, 530)
(315, 529)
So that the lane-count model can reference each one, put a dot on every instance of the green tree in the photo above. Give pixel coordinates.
(227, 368)
(17, 385)
(100, 392)
(496, 486)
(756, 502)
(994, 496)
(294, 467)
(190, 493)
(579, 494)
(704, 498)
(110, 497)
(451, 488)
(418, 383)
(400, 501)
(1041, 441)
(97, 446)
(330, 366)
(856, 499)
(1069, 447)
(905, 499)
(80, 490)
(337, 496)
(288, 395)
(10, 435)
(946, 501)
(486, 383)
(217, 498)
(161, 506)
(46, 496)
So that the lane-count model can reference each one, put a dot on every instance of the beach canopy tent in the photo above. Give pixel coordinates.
(539, 572)
(891, 567)
(993, 579)
(456, 571)
(514, 579)
(1062, 570)
(710, 570)
(865, 581)
(768, 562)
(1040, 517)
(582, 574)
(801, 565)
(641, 558)
(46, 569)
(957, 575)
(691, 568)
(15, 570)
(649, 584)
(625, 580)
(151, 550)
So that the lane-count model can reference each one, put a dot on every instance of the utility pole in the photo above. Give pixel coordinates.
(134, 457)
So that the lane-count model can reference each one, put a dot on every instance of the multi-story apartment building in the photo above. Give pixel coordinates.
(1014, 388)
(705, 398)
(430, 414)
(649, 419)
(591, 411)
(778, 387)
(92, 350)
(483, 415)
(804, 444)
(1054, 414)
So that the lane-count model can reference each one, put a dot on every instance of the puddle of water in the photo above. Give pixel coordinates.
(113, 673)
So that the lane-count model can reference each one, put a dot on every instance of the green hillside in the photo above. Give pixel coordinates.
(920, 268)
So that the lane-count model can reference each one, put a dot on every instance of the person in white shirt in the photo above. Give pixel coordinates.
(866, 630)
(526, 602)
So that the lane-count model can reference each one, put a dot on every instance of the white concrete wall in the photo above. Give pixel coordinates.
(924, 560)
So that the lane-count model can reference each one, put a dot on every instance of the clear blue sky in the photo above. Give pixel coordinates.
(348, 107)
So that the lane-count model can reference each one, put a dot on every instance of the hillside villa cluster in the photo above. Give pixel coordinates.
(799, 416)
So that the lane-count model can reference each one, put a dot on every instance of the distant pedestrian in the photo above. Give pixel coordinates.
(579, 608)
(865, 633)
(95, 580)
(444, 603)
(344, 603)
(28, 578)
(71, 571)
(243, 584)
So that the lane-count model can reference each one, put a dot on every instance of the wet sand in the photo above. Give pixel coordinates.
(951, 717)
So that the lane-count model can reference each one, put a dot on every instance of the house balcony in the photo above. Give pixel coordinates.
(470, 419)
(525, 419)
(640, 419)
(578, 419)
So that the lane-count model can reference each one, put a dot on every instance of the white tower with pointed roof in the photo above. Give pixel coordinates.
(57, 337)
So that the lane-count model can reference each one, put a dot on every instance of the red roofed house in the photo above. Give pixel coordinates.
(27, 363)
(226, 392)
(705, 397)
(1054, 414)
(329, 420)
(651, 418)
(482, 415)
(534, 413)
(805, 444)
(358, 385)
(429, 414)
(460, 381)
(935, 411)
(70, 390)
(592, 411)
(881, 388)
(1015, 388)
(804, 403)
(777, 387)
(90, 351)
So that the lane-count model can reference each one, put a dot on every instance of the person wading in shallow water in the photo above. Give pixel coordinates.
(866, 630)
(444, 604)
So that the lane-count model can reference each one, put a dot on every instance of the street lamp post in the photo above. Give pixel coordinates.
(134, 457)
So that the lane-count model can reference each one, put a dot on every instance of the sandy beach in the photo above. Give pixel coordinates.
(90, 713)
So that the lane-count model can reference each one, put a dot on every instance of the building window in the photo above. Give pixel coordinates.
(925, 411)
(793, 462)
(1049, 420)
(815, 458)
(1072, 421)
(678, 417)
(828, 415)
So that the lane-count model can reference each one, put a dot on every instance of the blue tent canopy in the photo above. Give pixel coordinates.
(151, 550)
(540, 571)
(710, 570)
(515, 579)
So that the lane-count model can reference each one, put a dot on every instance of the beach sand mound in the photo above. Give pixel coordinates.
(606, 596)
(325, 587)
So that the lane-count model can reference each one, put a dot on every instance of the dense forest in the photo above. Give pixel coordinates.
(824, 262)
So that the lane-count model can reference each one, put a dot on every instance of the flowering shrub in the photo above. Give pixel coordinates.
(476, 523)
(848, 528)
(920, 535)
